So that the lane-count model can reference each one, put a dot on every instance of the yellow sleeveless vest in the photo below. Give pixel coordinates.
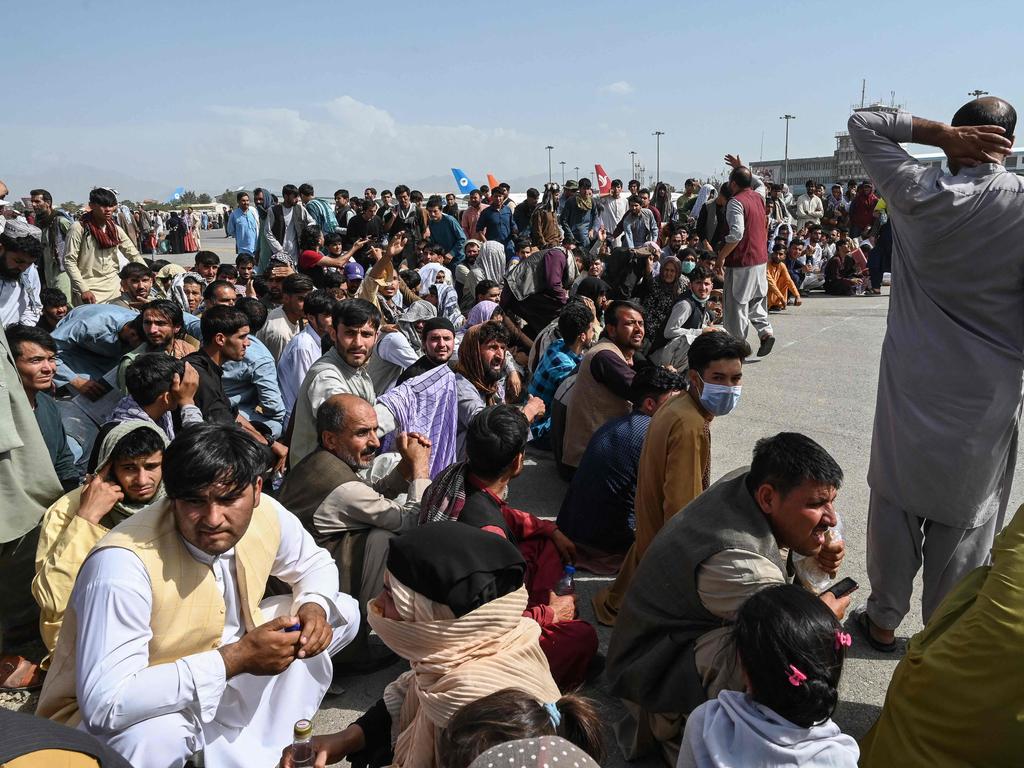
(188, 610)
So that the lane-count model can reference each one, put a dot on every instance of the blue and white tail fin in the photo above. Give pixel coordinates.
(462, 182)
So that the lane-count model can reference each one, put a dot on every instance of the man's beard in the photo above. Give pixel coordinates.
(493, 376)
(357, 463)
(7, 273)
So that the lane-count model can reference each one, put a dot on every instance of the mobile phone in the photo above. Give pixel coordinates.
(842, 588)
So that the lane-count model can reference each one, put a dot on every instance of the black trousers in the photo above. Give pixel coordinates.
(19, 613)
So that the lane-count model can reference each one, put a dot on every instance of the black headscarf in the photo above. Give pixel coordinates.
(458, 565)
(593, 288)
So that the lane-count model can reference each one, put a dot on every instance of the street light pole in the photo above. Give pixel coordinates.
(562, 163)
(657, 161)
(577, 169)
(785, 169)
(549, 148)
(632, 164)
(977, 94)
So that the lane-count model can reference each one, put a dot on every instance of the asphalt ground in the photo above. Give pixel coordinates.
(820, 380)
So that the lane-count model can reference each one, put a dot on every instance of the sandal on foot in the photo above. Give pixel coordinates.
(19, 674)
(863, 624)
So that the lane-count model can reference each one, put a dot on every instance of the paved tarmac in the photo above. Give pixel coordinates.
(819, 380)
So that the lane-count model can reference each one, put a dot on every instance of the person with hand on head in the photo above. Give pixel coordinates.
(124, 477)
(474, 492)
(931, 415)
(672, 647)
(168, 647)
(159, 386)
(791, 649)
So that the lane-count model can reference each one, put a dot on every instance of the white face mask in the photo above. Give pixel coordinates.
(719, 399)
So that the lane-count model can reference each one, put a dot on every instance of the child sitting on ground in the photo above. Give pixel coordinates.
(791, 649)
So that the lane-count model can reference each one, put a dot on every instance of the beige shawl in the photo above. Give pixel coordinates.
(454, 661)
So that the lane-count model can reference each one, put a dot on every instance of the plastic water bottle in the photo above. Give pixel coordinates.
(302, 744)
(566, 585)
(807, 568)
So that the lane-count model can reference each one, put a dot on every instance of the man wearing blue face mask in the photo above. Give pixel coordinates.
(675, 465)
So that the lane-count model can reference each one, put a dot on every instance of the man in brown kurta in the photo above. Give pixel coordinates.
(675, 465)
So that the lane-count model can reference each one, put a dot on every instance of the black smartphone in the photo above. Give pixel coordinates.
(842, 588)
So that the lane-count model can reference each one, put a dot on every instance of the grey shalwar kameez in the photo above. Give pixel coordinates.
(950, 384)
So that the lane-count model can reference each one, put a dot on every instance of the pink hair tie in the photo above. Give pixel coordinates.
(843, 639)
(796, 677)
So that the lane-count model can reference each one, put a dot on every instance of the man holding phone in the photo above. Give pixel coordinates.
(672, 647)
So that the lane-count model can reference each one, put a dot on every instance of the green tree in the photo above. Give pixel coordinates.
(227, 197)
(70, 206)
(205, 198)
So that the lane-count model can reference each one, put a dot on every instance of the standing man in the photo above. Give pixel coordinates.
(580, 215)
(55, 226)
(285, 221)
(471, 215)
(451, 207)
(745, 253)
(318, 210)
(446, 232)
(92, 250)
(613, 208)
(495, 223)
(809, 207)
(932, 415)
(244, 225)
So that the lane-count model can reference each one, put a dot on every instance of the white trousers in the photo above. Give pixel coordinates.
(254, 720)
(746, 301)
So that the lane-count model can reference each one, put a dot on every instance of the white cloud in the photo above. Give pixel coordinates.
(619, 88)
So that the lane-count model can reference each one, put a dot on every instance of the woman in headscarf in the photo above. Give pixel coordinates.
(452, 605)
(176, 230)
(712, 226)
(489, 265)
(429, 276)
(445, 298)
(662, 200)
(707, 194)
(125, 476)
(658, 293)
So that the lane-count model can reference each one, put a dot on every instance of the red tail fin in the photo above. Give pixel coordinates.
(491, 181)
(604, 183)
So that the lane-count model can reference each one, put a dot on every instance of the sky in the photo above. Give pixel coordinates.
(214, 95)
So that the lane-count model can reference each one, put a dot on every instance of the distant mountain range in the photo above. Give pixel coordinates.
(73, 182)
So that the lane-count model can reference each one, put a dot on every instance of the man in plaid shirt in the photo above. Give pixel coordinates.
(575, 326)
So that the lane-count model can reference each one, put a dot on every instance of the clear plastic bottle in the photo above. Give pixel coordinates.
(302, 744)
(807, 568)
(566, 585)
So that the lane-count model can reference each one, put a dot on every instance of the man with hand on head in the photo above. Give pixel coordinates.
(168, 649)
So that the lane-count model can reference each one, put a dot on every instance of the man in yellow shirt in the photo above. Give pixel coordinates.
(675, 464)
(126, 477)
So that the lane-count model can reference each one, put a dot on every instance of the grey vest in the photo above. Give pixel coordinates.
(651, 654)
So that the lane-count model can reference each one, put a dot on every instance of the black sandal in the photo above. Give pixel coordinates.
(863, 624)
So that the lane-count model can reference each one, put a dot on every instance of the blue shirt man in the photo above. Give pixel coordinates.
(244, 226)
(446, 232)
(495, 222)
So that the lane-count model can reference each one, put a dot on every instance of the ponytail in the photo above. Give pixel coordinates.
(580, 723)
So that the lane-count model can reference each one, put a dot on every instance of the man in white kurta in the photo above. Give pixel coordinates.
(220, 703)
(949, 389)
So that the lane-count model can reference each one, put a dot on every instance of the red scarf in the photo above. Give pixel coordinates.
(106, 235)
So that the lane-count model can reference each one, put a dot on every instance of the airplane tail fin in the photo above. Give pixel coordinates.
(462, 182)
(176, 195)
(491, 181)
(604, 183)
